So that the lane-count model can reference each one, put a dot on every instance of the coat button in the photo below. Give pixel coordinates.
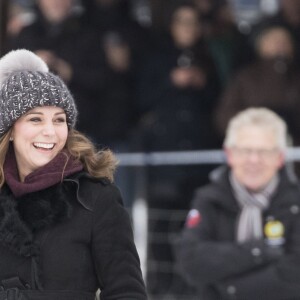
(256, 252)
(294, 209)
(231, 290)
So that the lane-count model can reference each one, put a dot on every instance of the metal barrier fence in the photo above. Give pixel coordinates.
(142, 216)
(142, 159)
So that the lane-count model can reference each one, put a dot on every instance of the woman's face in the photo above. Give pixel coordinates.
(38, 136)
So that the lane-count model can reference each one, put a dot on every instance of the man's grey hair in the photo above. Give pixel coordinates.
(259, 117)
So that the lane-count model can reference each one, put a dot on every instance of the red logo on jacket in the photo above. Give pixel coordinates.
(193, 218)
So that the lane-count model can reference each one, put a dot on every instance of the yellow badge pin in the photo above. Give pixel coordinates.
(274, 232)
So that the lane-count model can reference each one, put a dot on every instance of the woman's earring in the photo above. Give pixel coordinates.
(11, 139)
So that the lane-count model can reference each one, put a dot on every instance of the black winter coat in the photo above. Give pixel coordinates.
(67, 241)
(219, 268)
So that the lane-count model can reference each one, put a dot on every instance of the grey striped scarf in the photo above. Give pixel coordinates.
(252, 205)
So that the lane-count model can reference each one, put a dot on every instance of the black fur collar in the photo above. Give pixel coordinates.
(42, 209)
(21, 218)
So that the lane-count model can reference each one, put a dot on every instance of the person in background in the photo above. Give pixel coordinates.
(178, 84)
(287, 16)
(117, 16)
(18, 17)
(70, 49)
(123, 43)
(272, 81)
(64, 232)
(242, 235)
(117, 112)
(177, 89)
(228, 46)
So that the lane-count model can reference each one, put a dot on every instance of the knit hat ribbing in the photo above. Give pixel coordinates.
(26, 83)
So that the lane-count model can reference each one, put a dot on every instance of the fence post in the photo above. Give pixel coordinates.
(140, 215)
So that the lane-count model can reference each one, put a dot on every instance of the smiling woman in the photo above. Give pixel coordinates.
(64, 233)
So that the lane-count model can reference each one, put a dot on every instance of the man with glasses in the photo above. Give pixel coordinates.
(241, 239)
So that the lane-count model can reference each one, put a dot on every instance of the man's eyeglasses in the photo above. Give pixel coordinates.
(261, 153)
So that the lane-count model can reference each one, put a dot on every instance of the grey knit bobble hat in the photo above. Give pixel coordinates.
(25, 83)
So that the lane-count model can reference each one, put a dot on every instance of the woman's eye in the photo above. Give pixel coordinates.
(35, 120)
(60, 120)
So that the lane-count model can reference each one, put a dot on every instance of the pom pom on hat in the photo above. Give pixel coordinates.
(20, 60)
(26, 83)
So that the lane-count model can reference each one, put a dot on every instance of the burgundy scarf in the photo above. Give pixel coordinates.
(61, 166)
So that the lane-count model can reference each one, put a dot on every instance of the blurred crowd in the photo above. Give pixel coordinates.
(168, 85)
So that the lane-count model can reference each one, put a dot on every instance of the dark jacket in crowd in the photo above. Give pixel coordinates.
(177, 118)
(67, 241)
(211, 260)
